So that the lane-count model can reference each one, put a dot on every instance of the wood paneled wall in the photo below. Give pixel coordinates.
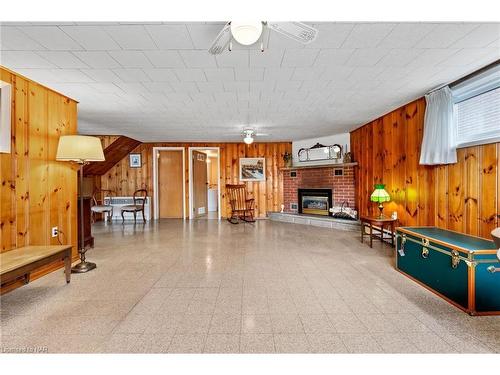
(37, 192)
(268, 194)
(463, 197)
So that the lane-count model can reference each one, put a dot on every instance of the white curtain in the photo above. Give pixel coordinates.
(439, 141)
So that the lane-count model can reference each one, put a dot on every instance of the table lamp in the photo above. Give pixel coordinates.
(81, 149)
(380, 195)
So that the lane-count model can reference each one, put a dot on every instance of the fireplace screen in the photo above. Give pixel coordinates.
(315, 205)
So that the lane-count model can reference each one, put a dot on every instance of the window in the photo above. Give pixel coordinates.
(477, 109)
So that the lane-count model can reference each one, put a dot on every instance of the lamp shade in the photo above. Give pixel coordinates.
(379, 195)
(80, 148)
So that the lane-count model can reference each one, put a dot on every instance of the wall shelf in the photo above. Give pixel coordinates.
(335, 165)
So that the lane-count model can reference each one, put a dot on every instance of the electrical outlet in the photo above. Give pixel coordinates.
(55, 231)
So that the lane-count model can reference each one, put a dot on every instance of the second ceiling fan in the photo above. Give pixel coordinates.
(248, 33)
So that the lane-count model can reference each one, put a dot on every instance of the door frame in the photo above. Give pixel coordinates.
(191, 149)
(156, 155)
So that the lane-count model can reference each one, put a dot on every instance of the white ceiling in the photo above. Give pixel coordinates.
(156, 81)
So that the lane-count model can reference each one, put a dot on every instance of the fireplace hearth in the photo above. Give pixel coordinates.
(315, 201)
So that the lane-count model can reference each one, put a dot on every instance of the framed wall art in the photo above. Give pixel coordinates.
(252, 169)
(135, 161)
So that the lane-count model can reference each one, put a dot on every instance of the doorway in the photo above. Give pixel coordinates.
(204, 185)
(168, 182)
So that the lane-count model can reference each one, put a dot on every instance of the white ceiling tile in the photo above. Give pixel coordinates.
(132, 75)
(336, 93)
(210, 87)
(337, 72)
(328, 57)
(406, 35)
(246, 74)
(43, 76)
(481, 36)
(51, 37)
(288, 85)
(364, 73)
(131, 59)
(233, 59)
(184, 87)
(161, 75)
(278, 74)
(198, 59)
(278, 41)
(62, 59)
(102, 75)
(91, 38)
(299, 57)
(190, 75)
(307, 74)
(71, 76)
(134, 37)
(469, 56)
(366, 57)
(367, 35)
(398, 57)
(97, 59)
(104, 88)
(170, 36)
(23, 59)
(203, 35)
(236, 86)
(431, 57)
(268, 58)
(158, 87)
(444, 35)
(331, 35)
(13, 39)
(262, 85)
(165, 59)
(221, 74)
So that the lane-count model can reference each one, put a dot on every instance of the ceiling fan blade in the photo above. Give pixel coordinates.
(297, 31)
(221, 41)
(262, 134)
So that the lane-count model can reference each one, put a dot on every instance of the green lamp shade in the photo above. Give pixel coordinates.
(379, 195)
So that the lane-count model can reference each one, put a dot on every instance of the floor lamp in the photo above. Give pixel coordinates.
(81, 149)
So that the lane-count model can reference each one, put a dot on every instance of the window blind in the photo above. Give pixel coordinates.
(478, 118)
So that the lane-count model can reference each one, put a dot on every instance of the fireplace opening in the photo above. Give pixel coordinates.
(315, 201)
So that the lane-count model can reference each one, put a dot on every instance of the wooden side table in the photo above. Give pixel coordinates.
(379, 223)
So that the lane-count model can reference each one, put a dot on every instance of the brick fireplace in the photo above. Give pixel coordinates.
(340, 180)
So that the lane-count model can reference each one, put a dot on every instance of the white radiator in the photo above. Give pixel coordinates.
(118, 202)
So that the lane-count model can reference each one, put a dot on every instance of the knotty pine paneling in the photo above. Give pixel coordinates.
(463, 197)
(268, 194)
(37, 192)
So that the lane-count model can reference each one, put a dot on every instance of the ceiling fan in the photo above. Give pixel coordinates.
(248, 33)
(249, 134)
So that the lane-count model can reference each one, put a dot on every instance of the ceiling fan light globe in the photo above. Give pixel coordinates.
(246, 33)
(248, 140)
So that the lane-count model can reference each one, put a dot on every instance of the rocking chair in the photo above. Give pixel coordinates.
(242, 207)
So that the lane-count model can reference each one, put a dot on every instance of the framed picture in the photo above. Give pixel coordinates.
(135, 161)
(5, 118)
(252, 169)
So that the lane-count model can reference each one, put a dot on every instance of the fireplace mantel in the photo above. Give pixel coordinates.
(336, 165)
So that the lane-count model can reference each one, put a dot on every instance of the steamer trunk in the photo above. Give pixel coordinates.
(457, 267)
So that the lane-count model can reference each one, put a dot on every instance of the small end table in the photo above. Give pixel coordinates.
(379, 223)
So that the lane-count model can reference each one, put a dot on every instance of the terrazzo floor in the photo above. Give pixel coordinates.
(205, 286)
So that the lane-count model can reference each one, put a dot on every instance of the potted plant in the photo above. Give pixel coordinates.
(287, 158)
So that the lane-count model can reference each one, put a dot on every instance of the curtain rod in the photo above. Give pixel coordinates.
(466, 77)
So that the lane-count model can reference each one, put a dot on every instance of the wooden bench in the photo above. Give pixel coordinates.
(22, 261)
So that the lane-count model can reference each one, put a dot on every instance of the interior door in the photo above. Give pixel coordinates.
(200, 184)
(170, 184)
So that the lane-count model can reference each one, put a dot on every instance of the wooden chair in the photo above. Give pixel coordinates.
(242, 207)
(99, 206)
(140, 197)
